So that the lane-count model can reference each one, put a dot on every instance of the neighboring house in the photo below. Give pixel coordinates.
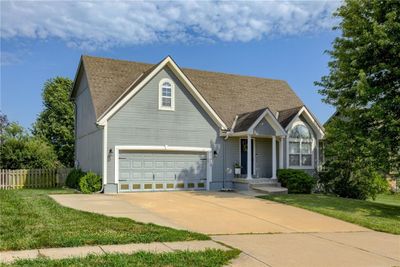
(146, 127)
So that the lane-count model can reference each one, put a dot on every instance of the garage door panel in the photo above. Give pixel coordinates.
(148, 175)
(137, 175)
(136, 164)
(159, 164)
(125, 164)
(124, 175)
(148, 164)
(148, 171)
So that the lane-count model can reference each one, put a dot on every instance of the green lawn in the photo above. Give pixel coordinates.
(373, 215)
(390, 199)
(209, 257)
(29, 219)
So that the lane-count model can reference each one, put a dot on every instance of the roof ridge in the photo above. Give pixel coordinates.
(184, 68)
(118, 60)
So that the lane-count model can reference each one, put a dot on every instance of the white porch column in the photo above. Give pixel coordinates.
(273, 157)
(281, 152)
(249, 156)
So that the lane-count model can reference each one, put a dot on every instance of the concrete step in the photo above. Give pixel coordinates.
(269, 184)
(275, 190)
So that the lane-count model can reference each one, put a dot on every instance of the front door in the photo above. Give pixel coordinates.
(243, 155)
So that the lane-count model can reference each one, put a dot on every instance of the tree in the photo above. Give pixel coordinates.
(3, 124)
(56, 122)
(363, 141)
(21, 151)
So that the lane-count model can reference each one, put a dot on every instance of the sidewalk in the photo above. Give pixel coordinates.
(156, 247)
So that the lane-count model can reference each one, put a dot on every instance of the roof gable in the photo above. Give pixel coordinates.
(226, 94)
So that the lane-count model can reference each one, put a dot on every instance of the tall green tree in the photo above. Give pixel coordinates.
(364, 86)
(19, 150)
(56, 122)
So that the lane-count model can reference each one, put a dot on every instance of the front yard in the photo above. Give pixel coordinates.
(380, 215)
(30, 219)
(209, 257)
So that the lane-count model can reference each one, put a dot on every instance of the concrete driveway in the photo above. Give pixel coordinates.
(268, 233)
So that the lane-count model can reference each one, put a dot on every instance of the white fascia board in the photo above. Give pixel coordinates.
(75, 78)
(251, 129)
(242, 133)
(182, 77)
(275, 124)
(314, 121)
(164, 148)
(271, 120)
(310, 119)
(234, 123)
(196, 94)
(126, 98)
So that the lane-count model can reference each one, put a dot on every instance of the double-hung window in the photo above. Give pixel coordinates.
(166, 95)
(300, 147)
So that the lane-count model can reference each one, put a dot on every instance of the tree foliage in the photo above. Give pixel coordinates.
(363, 140)
(19, 150)
(56, 122)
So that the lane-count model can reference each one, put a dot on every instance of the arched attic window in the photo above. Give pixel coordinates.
(166, 95)
(300, 147)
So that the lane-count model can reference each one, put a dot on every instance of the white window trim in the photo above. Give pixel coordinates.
(288, 139)
(160, 96)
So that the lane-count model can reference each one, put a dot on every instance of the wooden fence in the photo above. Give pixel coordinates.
(33, 178)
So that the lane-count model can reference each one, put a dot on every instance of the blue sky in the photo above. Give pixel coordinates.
(282, 40)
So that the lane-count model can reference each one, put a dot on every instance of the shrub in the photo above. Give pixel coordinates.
(74, 177)
(296, 181)
(90, 183)
(361, 184)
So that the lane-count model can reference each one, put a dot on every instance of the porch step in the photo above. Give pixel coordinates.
(257, 181)
(273, 190)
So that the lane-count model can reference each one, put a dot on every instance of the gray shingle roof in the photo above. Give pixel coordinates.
(227, 94)
(246, 120)
(287, 115)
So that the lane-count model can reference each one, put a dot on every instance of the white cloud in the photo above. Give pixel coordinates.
(8, 58)
(103, 24)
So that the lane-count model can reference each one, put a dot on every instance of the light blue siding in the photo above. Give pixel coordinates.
(231, 155)
(264, 128)
(263, 157)
(140, 122)
(88, 136)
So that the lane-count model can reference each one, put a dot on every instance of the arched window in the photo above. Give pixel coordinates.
(166, 99)
(300, 146)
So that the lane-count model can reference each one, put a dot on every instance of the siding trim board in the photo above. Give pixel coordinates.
(105, 154)
(164, 148)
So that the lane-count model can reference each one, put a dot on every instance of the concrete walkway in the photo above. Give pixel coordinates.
(362, 249)
(267, 233)
(208, 212)
(155, 247)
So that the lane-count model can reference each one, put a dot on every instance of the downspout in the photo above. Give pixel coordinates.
(231, 131)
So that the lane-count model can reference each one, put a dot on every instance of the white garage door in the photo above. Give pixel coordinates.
(151, 171)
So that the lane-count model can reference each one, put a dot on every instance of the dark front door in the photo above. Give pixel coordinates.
(243, 155)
